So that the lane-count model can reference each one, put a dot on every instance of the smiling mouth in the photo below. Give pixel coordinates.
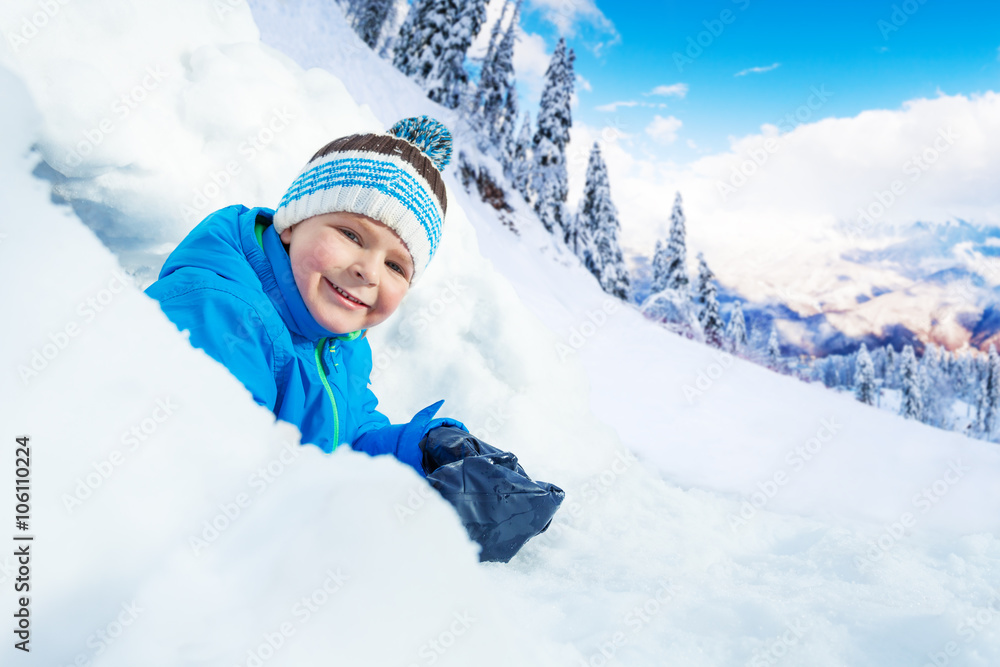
(345, 294)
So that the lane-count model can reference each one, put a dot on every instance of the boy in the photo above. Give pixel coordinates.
(284, 298)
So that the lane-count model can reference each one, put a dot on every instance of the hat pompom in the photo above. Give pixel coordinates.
(431, 137)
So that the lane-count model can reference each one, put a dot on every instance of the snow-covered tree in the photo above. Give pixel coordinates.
(520, 161)
(708, 304)
(496, 97)
(936, 387)
(659, 281)
(418, 45)
(774, 350)
(593, 233)
(992, 393)
(549, 180)
(864, 378)
(449, 82)
(912, 406)
(432, 45)
(891, 375)
(670, 261)
(736, 331)
(368, 18)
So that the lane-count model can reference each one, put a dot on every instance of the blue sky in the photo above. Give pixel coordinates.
(626, 49)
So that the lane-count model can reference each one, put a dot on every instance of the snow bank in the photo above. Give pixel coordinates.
(165, 500)
(643, 565)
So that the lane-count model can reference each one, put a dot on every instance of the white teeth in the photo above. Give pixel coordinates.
(346, 295)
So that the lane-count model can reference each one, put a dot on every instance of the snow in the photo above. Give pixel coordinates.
(678, 541)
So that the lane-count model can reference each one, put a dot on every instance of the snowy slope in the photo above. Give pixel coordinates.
(644, 565)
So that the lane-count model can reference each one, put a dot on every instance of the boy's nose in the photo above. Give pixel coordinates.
(366, 270)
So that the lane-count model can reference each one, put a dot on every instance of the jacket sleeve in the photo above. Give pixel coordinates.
(378, 436)
(230, 330)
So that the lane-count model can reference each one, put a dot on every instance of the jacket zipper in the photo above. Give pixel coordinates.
(329, 391)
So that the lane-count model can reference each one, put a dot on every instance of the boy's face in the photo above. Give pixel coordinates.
(346, 252)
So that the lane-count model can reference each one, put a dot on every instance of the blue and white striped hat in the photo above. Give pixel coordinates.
(394, 178)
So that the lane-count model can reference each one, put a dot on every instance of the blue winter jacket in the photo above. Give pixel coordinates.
(230, 283)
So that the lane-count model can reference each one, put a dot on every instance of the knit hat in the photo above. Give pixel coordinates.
(394, 178)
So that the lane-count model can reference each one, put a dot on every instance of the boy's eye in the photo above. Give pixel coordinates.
(397, 268)
(351, 235)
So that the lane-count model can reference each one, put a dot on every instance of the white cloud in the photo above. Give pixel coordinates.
(569, 15)
(676, 89)
(664, 129)
(758, 70)
(531, 59)
(583, 84)
(613, 106)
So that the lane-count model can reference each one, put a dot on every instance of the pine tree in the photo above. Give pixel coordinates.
(418, 46)
(878, 361)
(549, 180)
(773, 350)
(674, 263)
(659, 267)
(368, 18)
(864, 378)
(432, 45)
(708, 304)
(890, 366)
(488, 84)
(519, 166)
(597, 224)
(449, 82)
(496, 97)
(992, 393)
(912, 405)
(736, 332)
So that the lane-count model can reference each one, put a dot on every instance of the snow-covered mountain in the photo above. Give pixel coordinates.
(915, 284)
(716, 513)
